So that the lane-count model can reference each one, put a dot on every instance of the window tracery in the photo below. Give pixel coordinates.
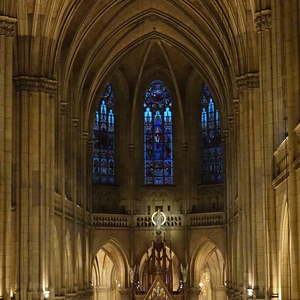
(104, 139)
(212, 148)
(158, 135)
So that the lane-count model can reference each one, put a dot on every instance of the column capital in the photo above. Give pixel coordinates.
(75, 122)
(230, 119)
(131, 147)
(85, 134)
(248, 81)
(236, 105)
(225, 134)
(263, 20)
(185, 146)
(36, 84)
(7, 26)
(63, 107)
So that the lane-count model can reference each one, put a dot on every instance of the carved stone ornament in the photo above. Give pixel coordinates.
(7, 26)
(36, 84)
(158, 219)
(248, 81)
(263, 20)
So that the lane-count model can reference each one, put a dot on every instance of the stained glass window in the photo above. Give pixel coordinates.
(104, 139)
(212, 148)
(158, 135)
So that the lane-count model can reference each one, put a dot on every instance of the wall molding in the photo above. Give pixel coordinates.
(36, 84)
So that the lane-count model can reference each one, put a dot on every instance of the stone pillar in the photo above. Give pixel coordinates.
(84, 184)
(291, 42)
(7, 124)
(272, 133)
(36, 100)
(251, 265)
(61, 184)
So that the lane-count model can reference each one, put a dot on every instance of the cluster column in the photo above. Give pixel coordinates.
(36, 99)
(7, 33)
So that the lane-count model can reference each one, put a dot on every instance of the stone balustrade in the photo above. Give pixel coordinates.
(144, 221)
(207, 219)
(110, 220)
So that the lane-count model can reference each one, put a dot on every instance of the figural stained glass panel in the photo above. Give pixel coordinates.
(104, 139)
(158, 135)
(212, 168)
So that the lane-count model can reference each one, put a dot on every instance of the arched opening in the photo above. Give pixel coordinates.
(208, 272)
(109, 273)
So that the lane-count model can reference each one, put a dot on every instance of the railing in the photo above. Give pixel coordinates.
(107, 220)
(144, 221)
(207, 219)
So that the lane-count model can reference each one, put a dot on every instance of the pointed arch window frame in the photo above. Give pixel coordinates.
(104, 139)
(158, 116)
(212, 148)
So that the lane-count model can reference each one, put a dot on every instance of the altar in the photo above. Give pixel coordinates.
(162, 278)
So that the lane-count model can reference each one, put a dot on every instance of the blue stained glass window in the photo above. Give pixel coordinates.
(158, 135)
(212, 169)
(104, 139)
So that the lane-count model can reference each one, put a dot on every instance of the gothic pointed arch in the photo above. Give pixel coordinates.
(104, 140)
(158, 135)
(212, 152)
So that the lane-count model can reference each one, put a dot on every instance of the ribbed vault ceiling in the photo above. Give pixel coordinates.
(82, 42)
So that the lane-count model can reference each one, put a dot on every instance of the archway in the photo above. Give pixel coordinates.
(109, 272)
(207, 272)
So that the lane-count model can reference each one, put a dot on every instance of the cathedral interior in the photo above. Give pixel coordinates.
(150, 149)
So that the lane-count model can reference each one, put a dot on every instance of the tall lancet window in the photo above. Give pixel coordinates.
(158, 135)
(104, 139)
(212, 167)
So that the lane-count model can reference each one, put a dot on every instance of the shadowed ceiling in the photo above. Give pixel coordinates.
(81, 43)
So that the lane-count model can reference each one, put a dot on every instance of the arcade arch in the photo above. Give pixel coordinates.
(208, 272)
(109, 272)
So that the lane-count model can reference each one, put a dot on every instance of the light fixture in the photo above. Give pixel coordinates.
(12, 293)
(250, 292)
(118, 284)
(46, 294)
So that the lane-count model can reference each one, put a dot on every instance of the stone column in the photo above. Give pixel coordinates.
(84, 184)
(291, 43)
(36, 100)
(272, 131)
(61, 140)
(7, 124)
(251, 186)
